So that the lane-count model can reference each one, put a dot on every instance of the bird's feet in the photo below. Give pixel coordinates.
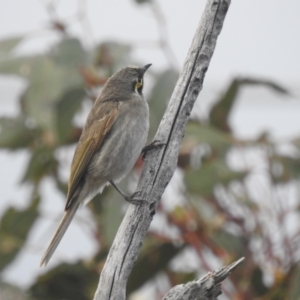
(131, 199)
(154, 145)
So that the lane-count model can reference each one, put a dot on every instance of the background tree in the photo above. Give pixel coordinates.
(235, 196)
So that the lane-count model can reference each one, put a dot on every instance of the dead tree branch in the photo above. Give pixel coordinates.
(206, 288)
(161, 163)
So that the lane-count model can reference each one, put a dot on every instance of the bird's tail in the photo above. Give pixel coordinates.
(63, 226)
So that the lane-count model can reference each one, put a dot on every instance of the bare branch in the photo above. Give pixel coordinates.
(206, 288)
(161, 163)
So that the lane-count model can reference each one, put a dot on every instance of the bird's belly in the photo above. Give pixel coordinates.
(121, 149)
(128, 147)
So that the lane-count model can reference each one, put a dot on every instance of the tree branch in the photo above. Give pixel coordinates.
(161, 163)
(206, 288)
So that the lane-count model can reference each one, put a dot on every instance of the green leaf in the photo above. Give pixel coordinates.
(160, 95)
(50, 77)
(69, 52)
(14, 228)
(265, 83)
(66, 108)
(106, 209)
(48, 82)
(66, 281)
(218, 140)
(211, 173)
(9, 44)
(42, 163)
(18, 65)
(15, 133)
(107, 213)
(220, 112)
(111, 216)
(257, 282)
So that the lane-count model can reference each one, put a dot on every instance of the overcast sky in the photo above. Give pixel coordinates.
(260, 38)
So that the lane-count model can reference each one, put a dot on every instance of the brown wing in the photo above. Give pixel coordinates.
(97, 125)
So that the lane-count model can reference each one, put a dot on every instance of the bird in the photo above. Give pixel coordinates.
(111, 141)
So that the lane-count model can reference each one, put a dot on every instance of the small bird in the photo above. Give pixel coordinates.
(112, 139)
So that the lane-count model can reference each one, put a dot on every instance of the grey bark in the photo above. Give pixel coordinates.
(161, 163)
(206, 288)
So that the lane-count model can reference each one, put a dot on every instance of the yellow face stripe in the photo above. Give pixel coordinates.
(139, 84)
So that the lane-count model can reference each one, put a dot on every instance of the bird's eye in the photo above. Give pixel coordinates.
(138, 85)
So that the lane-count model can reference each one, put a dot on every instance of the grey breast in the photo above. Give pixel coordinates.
(125, 141)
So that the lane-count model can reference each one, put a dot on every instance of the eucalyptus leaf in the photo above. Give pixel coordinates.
(48, 82)
(107, 211)
(50, 77)
(15, 133)
(69, 52)
(41, 164)
(209, 135)
(111, 214)
(220, 112)
(203, 181)
(66, 108)
(20, 66)
(14, 228)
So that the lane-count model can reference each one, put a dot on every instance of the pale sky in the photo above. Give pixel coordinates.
(260, 38)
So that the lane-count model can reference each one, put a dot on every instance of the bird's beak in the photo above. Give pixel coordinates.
(145, 68)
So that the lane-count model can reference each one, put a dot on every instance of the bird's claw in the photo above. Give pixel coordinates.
(155, 144)
(133, 201)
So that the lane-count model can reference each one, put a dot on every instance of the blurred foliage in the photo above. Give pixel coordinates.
(223, 212)
(203, 181)
(220, 112)
(10, 292)
(154, 258)
(14, 228)
(66, 281)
